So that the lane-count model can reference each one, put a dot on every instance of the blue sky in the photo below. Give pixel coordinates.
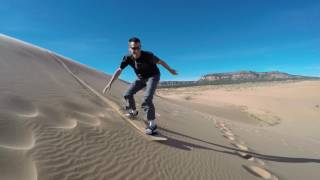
(194, 37)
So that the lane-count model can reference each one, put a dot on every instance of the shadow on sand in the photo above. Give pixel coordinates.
(188, 146)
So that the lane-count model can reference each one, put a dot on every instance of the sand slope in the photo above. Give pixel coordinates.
(278, 120)
(55, 127)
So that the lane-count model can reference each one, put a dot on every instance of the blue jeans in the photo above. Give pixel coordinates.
(147, 105)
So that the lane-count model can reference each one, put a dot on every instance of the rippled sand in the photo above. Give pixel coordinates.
(53, 125)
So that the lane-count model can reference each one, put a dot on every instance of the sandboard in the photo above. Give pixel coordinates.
(140, 125)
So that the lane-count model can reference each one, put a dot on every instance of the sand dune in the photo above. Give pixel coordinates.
(278, 118)
(56, 124)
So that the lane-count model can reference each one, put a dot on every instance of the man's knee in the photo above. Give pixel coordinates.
(147, 101)
(128, 96)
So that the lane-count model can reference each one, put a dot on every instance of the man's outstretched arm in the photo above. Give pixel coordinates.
(114, 77)
(165, 65)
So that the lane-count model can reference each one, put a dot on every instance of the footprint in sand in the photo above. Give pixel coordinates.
(219, 124)
(260, 162)
(243, 154)
(229, 135)
(231, 138)
(260, 172)
(222, 125)
(224, 128)
(255, 170)
(19, 106)
(227, 132)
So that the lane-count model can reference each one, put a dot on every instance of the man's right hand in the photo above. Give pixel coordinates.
(107, 89)
(114, 77)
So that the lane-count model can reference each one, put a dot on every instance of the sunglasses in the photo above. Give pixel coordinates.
(135, 48)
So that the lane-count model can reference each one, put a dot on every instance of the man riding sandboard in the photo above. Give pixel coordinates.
(144, 64)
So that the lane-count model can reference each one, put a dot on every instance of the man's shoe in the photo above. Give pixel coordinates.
(151, 130)
(132, 114)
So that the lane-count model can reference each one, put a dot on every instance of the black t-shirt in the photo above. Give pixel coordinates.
(145, 66)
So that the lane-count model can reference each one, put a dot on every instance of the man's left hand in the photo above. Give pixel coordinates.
(174, 72)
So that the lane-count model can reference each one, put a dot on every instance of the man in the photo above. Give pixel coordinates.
(148, 76)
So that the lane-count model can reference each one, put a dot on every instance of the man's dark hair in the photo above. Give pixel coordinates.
(134, 39)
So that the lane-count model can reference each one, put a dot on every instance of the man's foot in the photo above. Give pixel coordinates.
(151, 130)
(132, 114)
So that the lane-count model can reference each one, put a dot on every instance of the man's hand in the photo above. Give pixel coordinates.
(165, 65)
(114, 77)
(107, 89)
(174, 72)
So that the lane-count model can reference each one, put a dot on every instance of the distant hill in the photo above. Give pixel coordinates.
(236, 77)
